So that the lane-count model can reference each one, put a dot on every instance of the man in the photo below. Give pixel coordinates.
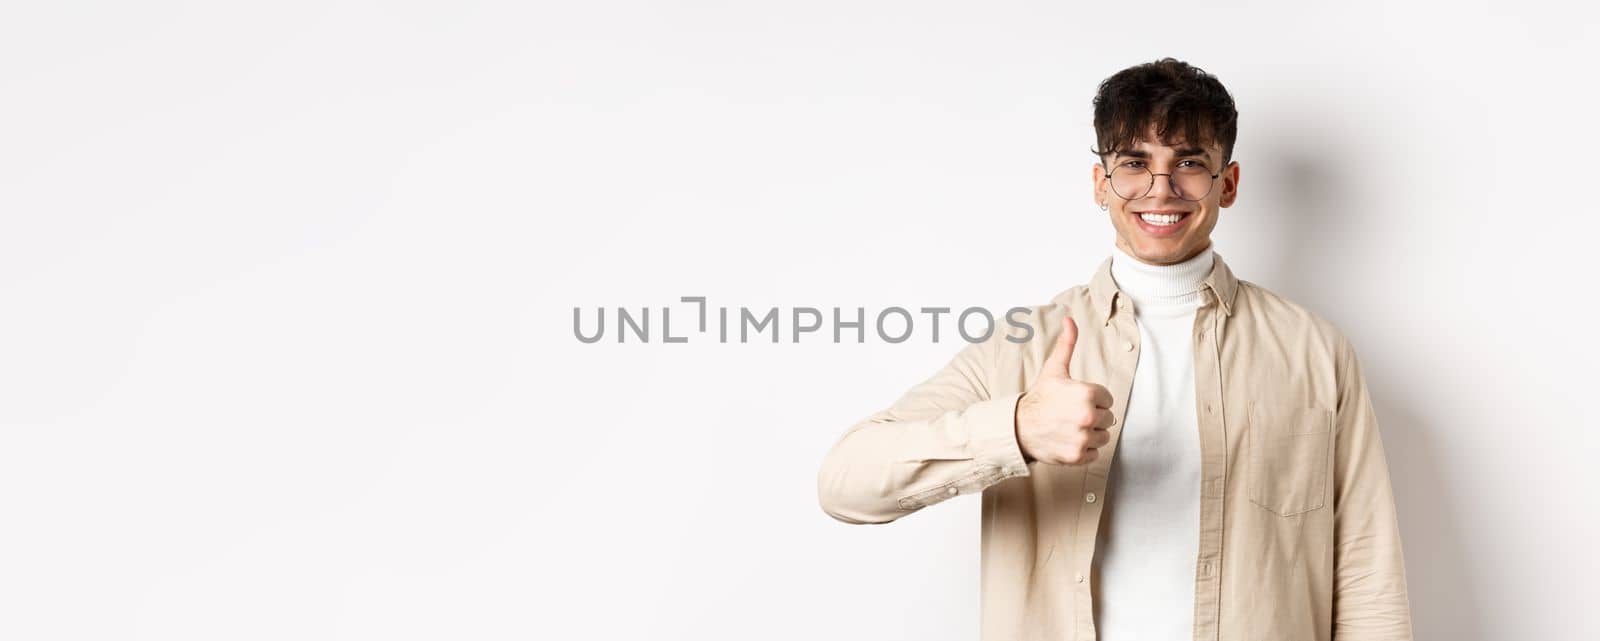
(1184, 455)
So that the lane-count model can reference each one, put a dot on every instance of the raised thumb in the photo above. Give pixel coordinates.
(1061, 353)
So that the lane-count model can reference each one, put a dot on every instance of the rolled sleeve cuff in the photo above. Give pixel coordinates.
(994, 434)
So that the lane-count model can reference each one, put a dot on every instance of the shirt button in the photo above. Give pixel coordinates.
(1089, 497)
(952, 491)
(1079, 578)
(1127, 346)
(1208, 408)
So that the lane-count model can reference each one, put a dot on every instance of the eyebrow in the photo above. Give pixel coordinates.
(1182, 153)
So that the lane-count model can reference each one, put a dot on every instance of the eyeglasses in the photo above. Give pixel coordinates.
(1190, 180)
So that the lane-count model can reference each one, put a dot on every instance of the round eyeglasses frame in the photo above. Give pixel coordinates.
(1151, 184)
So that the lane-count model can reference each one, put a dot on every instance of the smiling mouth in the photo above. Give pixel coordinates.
(1162, 218)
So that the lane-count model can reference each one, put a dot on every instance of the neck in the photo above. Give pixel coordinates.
(1160, 286)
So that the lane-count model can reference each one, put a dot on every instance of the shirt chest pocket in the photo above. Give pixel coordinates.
(1289, 448)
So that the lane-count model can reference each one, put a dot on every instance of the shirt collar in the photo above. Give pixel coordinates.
(1104, 295)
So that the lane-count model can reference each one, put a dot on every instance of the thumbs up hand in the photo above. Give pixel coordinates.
(1059, 420)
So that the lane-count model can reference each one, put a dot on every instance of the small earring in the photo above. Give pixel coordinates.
(1105, 206)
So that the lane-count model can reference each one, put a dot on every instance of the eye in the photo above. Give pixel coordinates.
(1134, 163)
(1191, 163)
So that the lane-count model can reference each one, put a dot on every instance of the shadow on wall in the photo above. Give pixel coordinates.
(1337, 221)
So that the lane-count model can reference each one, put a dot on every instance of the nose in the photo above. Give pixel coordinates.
(1164, 186)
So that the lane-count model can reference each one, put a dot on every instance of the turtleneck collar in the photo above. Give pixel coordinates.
(1160, 287)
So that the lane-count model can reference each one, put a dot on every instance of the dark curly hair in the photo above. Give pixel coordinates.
(1181, 100)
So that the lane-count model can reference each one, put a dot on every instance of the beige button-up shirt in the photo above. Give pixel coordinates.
(1298, 533)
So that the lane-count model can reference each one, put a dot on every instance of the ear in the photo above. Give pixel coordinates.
(1230, 184)
(1098, 175)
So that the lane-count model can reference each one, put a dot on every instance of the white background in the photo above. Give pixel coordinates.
(286, 296)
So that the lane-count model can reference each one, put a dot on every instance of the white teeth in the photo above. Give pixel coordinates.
(1161, 220)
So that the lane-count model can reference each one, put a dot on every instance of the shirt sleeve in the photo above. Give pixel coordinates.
(943, 438)
(1370, 602)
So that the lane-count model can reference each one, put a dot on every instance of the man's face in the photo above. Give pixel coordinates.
(1144, 237)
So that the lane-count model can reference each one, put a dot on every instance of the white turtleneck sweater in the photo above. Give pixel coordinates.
(1149, 541)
